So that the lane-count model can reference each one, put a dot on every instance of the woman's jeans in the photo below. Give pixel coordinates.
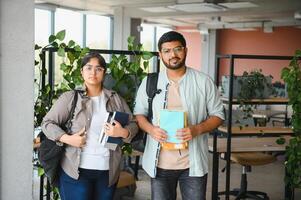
(164, 186)
(91, 185)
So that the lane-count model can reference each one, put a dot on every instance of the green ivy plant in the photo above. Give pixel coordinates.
(252, 86)
(71, 55)
(292, 77)
(127, 72)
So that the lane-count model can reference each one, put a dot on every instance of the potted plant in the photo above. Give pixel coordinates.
(292, 77)
(251, 85)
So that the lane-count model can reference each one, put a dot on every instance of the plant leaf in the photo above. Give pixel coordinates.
(71, 43)
(37, 47)
(61, 52)
(61, 35)
(51, 38)
(131, 40)
(147, 55)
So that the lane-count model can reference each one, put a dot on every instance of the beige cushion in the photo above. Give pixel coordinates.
(252, 158)
(125, 179)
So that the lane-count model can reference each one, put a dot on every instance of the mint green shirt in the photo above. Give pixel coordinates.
(200, 98)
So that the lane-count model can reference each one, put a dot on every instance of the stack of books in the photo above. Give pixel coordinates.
(171, 121)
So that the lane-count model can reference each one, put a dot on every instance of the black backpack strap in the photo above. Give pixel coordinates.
(68, 124)
(151, 90)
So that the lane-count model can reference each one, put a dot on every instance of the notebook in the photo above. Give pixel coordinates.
(171, 121)
(112, 142)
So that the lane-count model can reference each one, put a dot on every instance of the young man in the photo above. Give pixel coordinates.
(184, 89)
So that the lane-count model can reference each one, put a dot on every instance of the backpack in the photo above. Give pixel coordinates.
(50, 152)
(139, 140)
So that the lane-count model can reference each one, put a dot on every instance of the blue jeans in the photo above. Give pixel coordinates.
(91, 185)
(164, 186)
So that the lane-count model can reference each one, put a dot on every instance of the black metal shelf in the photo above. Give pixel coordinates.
(230, 101)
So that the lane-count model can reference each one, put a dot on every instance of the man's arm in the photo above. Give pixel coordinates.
(154, 131)
(186, 134)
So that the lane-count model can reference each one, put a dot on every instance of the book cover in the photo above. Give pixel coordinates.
(113, 142)
(171, 121)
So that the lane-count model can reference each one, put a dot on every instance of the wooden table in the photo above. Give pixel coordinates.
(278, 100)
(249, 144)
(241, 144)
(235, 130)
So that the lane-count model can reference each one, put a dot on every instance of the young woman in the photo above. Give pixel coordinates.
(89, 170)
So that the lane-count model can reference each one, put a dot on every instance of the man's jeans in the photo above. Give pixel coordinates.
(164, 186)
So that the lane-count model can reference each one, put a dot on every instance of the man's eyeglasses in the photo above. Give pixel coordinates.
(89, 68)
(176, 50)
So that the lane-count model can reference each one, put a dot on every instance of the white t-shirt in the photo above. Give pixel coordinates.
(94, 155)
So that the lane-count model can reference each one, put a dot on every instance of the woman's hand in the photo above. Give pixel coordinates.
(77, 139)
(116, 130)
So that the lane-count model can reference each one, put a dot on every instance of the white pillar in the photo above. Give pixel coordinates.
(208, 53)
(122, 28)
(16, 98)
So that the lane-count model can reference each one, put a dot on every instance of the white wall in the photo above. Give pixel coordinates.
(122, 28)
(16, 98)
(208, 54)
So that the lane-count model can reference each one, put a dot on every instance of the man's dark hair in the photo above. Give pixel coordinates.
(96, 55)
(171, 36)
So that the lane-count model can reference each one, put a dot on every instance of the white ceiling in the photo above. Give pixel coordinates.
(197, 14)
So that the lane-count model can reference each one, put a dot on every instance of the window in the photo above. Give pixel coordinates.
(42, 26)
(147, 37)
(42, 32)
(72, 22)
(98, 32)
(161, 31)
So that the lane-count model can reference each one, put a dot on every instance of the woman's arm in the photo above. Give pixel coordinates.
(57, 116)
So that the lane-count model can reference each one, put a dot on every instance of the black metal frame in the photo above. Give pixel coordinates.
(215, 167)
(51, 80)
(51, 50)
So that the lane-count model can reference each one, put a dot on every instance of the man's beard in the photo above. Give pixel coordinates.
(177, 66)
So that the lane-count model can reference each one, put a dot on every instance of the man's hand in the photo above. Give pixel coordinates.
(158, 134)
(116, 130)
(77, 139)
(186, 134)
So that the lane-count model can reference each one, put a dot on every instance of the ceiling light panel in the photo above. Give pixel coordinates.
(157, 9)
(197, 7)
(236, 5)
(190, 1)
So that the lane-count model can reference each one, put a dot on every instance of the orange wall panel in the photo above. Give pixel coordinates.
(282, 42)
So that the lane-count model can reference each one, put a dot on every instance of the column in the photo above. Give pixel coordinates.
(16, 98)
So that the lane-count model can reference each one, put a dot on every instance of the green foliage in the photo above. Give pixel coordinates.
(70, 66)
(127, 72)
(292, 77)
(71, 56)
(252, 86)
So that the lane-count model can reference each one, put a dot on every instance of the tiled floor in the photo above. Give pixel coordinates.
(267, 178)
